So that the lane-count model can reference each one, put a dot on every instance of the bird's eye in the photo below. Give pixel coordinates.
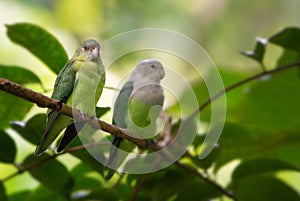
(84, 47)
(152, 66)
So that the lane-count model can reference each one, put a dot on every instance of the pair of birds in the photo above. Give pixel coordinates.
(133, 108)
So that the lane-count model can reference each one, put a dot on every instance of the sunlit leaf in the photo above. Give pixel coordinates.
(100, 111)
(53, 174)
(258, 166)
(287, 38)
(8, 148)
(82, 180)
(18, 74)
(32, 129)
(264, 188)
(40, 43)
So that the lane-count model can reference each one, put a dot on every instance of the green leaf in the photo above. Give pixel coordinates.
(82, 180)
(105, 194)
(268, 124)
(241, 142)
(32, 129)
(287, 38)
(41, 193)
(258, 53)
(40, 43)
(51, 173)
(179, 183)
(18, 74)
(8, 148)
(100, 111)
(173, 183)
(3, 196)
(272, 103)
(209, 160)
(85, 156)
(88, 159)
(21, 195)
(264, 188)
(288, 57)
(260, 166)
(12, 108)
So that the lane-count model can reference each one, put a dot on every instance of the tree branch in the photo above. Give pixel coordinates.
(46, 102)
(53, 104)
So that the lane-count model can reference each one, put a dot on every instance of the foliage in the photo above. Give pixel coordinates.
(261, 131)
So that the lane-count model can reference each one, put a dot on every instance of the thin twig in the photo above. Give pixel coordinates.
(249, 79)
(38, 163)
(207, 180)
(138, 187)
(112, 88)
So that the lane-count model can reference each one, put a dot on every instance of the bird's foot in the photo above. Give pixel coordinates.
(93, 121)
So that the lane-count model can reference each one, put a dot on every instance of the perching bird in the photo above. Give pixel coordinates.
(137, 107)
(85, 64)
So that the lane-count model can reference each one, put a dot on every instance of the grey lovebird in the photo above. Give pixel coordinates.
(86, 62)
(137, 107)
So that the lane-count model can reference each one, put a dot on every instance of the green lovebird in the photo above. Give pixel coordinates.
(137, 108)
(84, 67)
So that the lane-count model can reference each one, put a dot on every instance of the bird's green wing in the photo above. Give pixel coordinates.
(120, 115)
(56, 122)
(64, 84)
(74, 128)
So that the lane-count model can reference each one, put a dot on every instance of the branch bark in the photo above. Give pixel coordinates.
(53, 104)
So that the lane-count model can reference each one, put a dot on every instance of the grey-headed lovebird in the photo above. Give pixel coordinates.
(85, 64)
(137, 107)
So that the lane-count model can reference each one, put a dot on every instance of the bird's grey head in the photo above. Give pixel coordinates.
(90, 49)
(151, 69)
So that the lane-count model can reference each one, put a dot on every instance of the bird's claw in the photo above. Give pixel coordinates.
(93, 120)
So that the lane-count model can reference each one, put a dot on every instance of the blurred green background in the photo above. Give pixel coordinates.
(222, 27)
